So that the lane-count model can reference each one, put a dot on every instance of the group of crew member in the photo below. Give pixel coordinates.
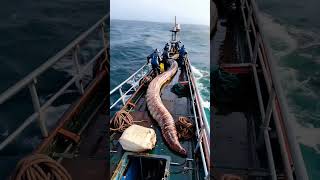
(156, 59)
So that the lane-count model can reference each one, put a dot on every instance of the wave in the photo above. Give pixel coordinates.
(278, 34)
(53, 113)
(204, 89)
(293, 39)
(306, 135)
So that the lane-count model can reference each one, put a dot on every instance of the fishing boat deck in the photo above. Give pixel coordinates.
(235, 149)
(177, 106)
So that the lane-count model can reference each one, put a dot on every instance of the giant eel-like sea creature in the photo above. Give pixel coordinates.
(159, 112)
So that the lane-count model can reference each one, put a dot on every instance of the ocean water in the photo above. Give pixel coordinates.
(293, 32)
(132, 41)
(31, 32)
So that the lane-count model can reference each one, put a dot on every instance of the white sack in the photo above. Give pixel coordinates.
(138, 139)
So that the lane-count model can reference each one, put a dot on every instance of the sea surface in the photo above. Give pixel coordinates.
(31, 32)
(132, 41)
(293, 31)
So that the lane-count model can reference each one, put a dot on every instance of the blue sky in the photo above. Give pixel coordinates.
(187, 11)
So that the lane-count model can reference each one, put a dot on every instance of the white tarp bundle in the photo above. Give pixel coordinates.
(138, 139)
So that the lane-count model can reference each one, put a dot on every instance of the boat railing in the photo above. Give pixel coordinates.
(132, 81)
(202, 126)
(259, 52)
(30, 81)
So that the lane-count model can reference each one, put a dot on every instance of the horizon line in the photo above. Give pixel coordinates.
(157, 21)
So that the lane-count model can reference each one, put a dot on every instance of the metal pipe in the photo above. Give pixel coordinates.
(201, 107)
(77, 68)
(285, 160)
(36, 106)
(300, 169)
(260, 100)
(70, 82)
(125, 81)
(246, 27)
(200, 111)
(270, 155)
(48, 64)
(122, 96)
(197, 130)
(45, 106)
(29, 80)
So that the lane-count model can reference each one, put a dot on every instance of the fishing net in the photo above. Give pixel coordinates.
(181, 90)
(225, 86)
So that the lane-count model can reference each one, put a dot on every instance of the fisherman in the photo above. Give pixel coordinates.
(177, 46)
(182, 53)
(166, 47)
(154, 61)
(165, 57)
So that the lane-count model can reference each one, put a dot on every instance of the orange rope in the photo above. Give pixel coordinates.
(122, 121)
(184, 128)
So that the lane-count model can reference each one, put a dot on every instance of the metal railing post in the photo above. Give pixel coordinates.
(37, 108)
(30, 82)
(121, 94)
(77, 68)
(253, 56)
(266, 121)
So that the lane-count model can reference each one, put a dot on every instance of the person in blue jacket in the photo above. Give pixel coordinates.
(165, 58)
(182, 53)
(155, 58)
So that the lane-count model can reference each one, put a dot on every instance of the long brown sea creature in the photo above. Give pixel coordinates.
(159, 112)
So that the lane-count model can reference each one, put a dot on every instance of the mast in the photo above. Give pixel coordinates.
(175, 30)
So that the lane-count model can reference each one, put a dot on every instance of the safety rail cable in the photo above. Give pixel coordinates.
(200, 108)
(31, 79)
(262, 50)
(142, 72)
(191, 88)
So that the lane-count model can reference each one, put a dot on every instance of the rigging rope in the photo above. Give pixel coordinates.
(122, 121)
(40, 167)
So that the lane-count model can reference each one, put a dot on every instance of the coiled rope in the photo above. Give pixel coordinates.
(185, 128)
(122, 121)
(40, 167)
